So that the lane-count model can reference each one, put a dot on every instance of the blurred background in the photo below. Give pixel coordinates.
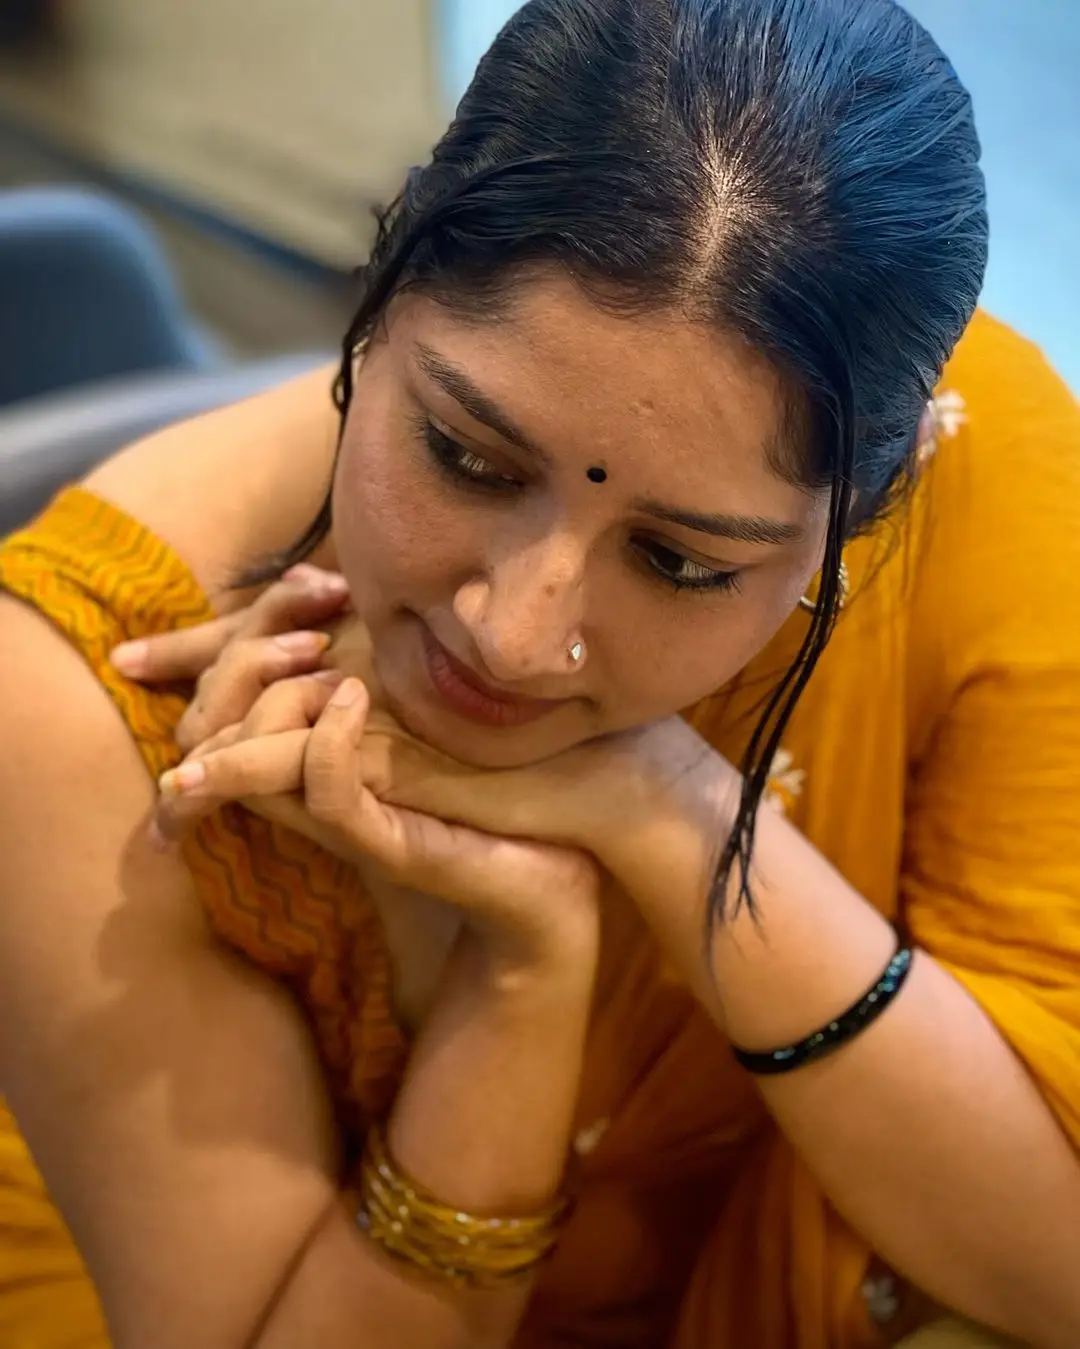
(254, 138)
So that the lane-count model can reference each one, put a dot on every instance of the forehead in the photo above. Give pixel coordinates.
(652, 392)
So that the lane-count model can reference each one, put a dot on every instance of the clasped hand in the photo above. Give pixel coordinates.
(287, 719)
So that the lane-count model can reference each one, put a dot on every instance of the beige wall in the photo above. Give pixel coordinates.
(292, 114)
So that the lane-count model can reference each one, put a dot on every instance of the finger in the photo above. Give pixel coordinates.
(271, 766)
(545, 801)
(307, 573)
(334, 791)
(305, 597)
(222, 740)
(292, 705)
(228, 691)
(180, 655)
(332, 783)
(341, 810)
(405, 773)
(291, 812)
(191, 793)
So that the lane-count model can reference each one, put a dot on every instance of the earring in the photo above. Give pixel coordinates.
(809, 603)
(577, 653)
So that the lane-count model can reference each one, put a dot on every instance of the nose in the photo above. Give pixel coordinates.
(524, 614)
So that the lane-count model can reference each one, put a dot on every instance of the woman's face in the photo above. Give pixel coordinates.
(480, 550)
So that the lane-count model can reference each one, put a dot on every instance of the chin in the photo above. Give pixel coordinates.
(488, 747)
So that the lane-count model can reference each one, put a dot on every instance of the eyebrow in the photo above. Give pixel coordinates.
(455, 382)
(751, 529)
(739, 528)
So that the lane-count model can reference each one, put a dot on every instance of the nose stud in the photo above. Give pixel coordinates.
(577, 653)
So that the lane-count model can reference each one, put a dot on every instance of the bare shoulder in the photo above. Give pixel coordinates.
(234, 484)
(169, 1092)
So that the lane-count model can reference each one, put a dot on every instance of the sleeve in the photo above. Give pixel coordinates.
(990, 870)
(101, 578)
(991, 877)
(992, 881)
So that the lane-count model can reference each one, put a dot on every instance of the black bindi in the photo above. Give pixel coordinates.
(597, 474)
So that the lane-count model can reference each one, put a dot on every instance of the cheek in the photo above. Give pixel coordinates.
(694, 661)
(395, 529)
(685, 654)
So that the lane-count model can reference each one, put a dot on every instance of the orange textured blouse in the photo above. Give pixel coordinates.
(935, 759)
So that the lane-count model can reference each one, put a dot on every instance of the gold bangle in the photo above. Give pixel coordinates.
(466, 1250)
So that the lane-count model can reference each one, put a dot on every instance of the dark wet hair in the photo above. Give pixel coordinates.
(803, 173)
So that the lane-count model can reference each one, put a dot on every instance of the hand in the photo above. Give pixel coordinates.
(651, 805)
(237, 659)
(308, 756)
(232, 659)
(654, 806)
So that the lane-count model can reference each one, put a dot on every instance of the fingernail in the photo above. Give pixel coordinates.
(187, 778)
(130, 657)
(329, 676)
(348, 694)
(330, 586)
(317, 581)
(158, 841)
(303, 643)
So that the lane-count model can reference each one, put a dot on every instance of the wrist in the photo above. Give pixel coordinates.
(485, 1114)
(673, 812)
(675, 805)
(505, 968)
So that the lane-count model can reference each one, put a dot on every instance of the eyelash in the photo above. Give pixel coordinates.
(695, 578)
(464, 467)
(468, 470)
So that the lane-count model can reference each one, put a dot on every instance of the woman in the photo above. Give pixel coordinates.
(440, 1052)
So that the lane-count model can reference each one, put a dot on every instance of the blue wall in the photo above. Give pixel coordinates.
(1022, 64)
(467, 29)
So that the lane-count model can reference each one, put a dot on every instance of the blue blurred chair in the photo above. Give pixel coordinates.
(96, 347)
(85, 295)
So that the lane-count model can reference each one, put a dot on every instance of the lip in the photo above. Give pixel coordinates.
(469, 696)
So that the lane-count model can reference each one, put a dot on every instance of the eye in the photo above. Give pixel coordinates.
(683, 573)
(462, 465)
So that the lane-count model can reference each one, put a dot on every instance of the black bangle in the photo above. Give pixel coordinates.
(837, 1033)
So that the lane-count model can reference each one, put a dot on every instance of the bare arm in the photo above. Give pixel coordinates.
(484, 1123)
(953, 1156)
(170, 1093)
(233, 485)
(926, 1131)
